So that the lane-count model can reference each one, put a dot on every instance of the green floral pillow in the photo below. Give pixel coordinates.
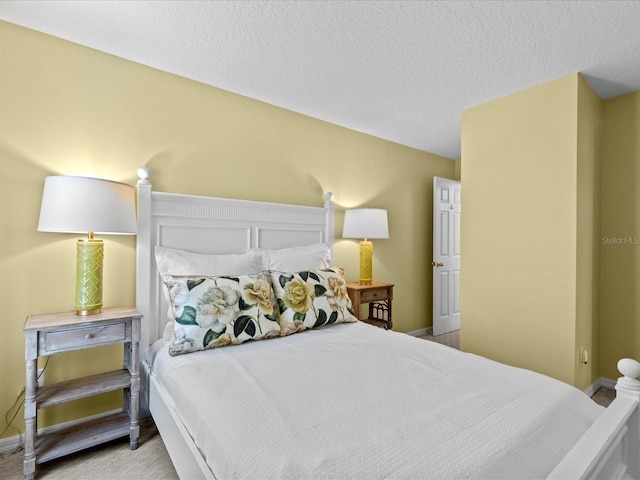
(311, 299)
(212, 312)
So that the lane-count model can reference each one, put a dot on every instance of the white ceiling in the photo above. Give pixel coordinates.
(399, 70)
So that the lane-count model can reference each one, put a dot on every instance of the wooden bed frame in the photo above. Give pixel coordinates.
(609, 449)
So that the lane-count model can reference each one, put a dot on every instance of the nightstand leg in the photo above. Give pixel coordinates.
(30, 420)
(389, 320)
(134, 396)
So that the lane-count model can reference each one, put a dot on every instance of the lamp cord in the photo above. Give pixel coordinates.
(17, 404)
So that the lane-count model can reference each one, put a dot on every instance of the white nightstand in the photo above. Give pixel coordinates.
(62, 332)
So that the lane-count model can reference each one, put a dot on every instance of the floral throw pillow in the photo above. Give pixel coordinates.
(212, 312)
(311, 299)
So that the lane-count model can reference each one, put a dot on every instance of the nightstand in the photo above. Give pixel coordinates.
(62, 332)
(379, 296)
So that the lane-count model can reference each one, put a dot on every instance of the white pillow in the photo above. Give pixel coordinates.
(172, 261)
(296, 259)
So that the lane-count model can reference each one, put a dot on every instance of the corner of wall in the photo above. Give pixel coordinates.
(588, 140)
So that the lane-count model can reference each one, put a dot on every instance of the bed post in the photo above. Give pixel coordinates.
(143, 266)
(628, 387)
(330, 220)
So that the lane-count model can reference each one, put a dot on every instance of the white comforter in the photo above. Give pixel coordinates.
(355, 401)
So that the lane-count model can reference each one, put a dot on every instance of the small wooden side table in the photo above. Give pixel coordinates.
(62, 332)
(379, 297)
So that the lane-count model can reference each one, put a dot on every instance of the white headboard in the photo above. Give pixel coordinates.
(212, 225)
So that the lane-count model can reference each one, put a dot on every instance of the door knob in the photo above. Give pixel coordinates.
(437, 264)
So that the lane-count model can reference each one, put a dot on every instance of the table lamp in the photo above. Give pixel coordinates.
(365, 223)
(88, 206)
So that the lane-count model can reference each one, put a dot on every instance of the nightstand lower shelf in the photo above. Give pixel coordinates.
(72, 439)
(62, 392)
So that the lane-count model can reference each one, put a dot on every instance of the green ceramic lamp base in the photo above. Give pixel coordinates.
(89, 255)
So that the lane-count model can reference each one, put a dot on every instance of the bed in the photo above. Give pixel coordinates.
(310, 392)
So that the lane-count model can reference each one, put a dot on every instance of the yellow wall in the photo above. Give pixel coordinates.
(620, 233)
(67, 109)
(551, 230)
(519, 164)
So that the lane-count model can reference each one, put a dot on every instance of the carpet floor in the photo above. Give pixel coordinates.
(112, 460)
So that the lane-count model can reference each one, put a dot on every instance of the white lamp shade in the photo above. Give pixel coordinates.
(83, 205)
(365, 223)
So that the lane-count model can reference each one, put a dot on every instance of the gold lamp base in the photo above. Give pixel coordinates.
(366, 263)
(89, 255)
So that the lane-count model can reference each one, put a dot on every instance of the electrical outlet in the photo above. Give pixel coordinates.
(584, 356)
(40, 377)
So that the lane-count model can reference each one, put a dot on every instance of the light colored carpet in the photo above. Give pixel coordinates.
(604, 396)
(451, 339)
(113, 460)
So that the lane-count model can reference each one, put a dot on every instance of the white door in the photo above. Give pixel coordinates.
(446, 255)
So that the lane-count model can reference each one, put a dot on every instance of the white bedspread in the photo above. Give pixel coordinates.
(355, 401)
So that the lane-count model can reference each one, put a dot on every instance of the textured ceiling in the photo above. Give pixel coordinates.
(399, 70)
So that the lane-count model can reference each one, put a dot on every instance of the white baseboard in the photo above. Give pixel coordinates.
(601, 382)
(422, 331)
(11, 444)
